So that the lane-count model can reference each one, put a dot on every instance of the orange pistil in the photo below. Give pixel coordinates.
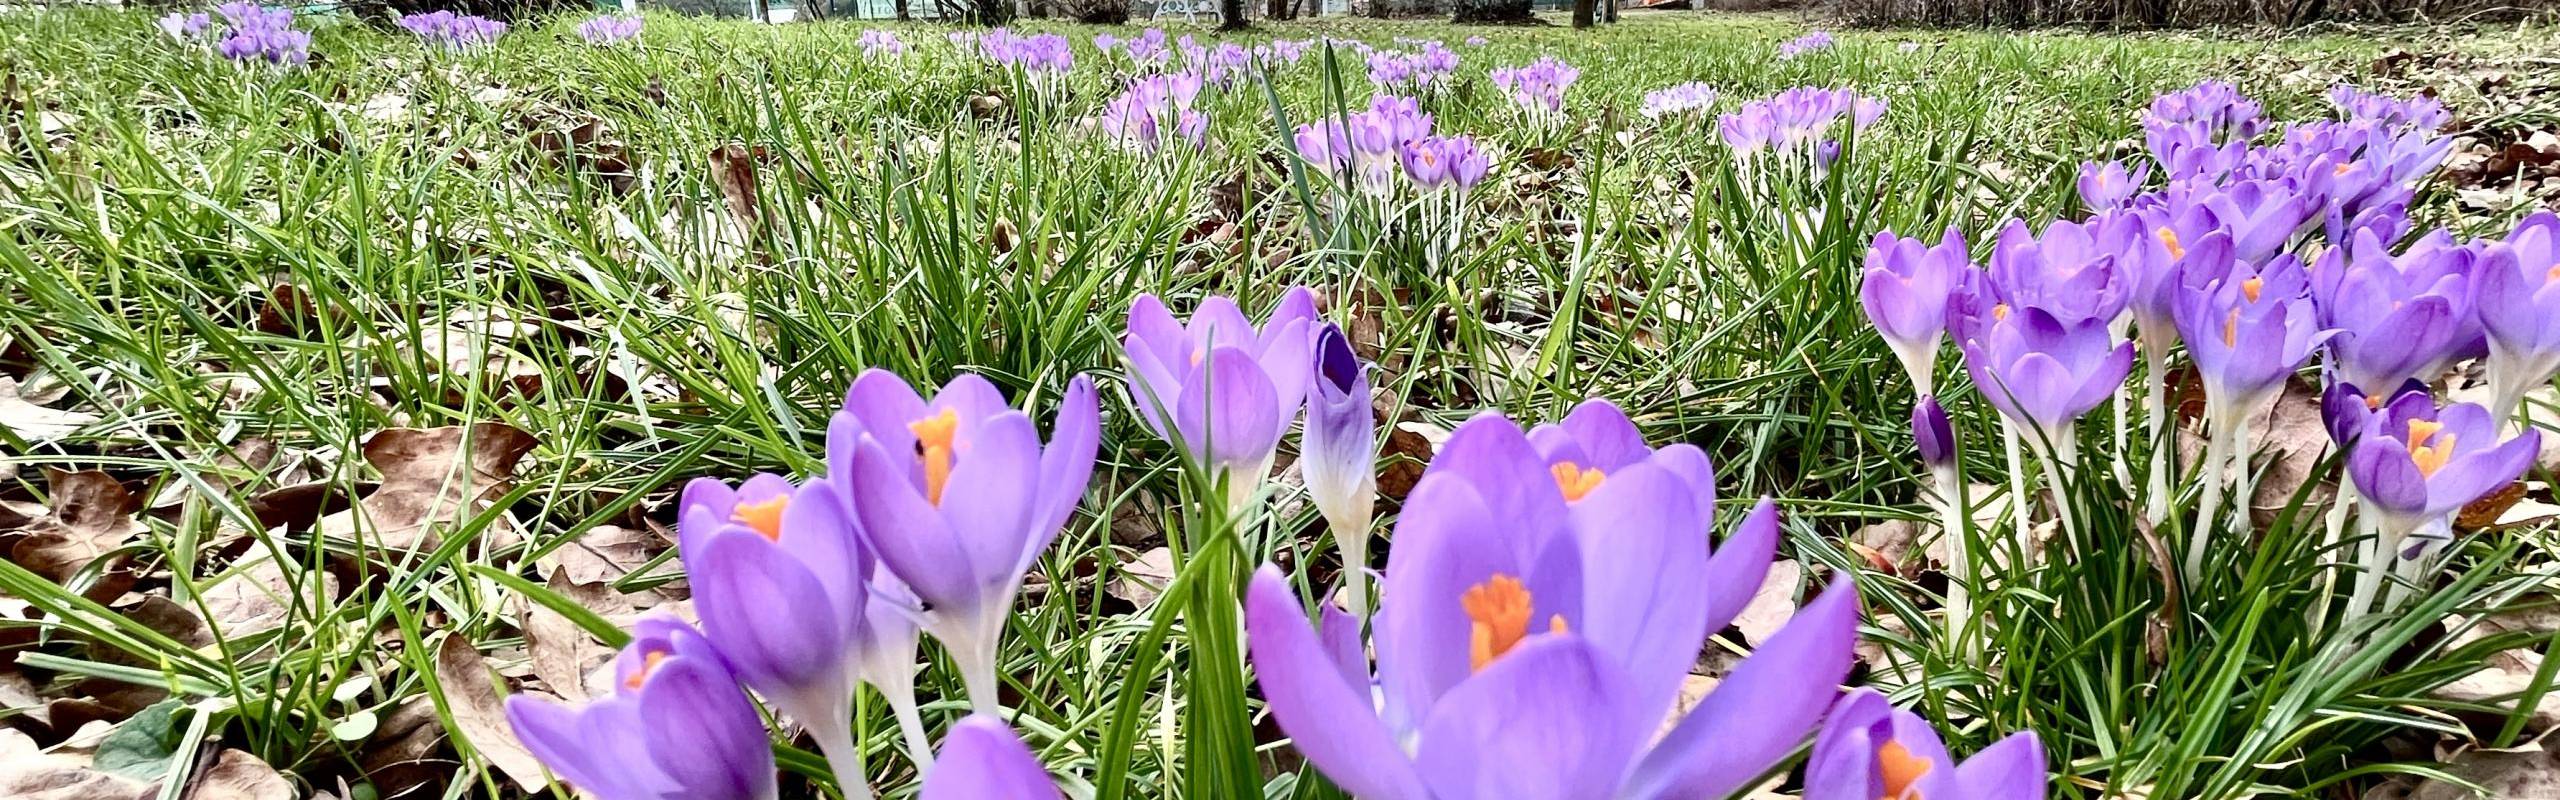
(2231, 329)
(1576, 481)
(935, 442)
(1500, 608)
(2429, 456)
(764, 517)
(2169, 239)
(2253, 287)
(2000, 312)
(1900, 770)
(648, 664)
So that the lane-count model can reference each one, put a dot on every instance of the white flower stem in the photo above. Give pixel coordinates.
(834, 732)
(2018, 501)
(1355, 568)
(2337, 529)
(2246, 478)
(2061, 463)
(2155, 414)
(902, 704)
(1961, 572)
(2379, 546)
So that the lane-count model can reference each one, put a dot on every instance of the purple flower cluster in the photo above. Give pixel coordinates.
(1147, 50)
(1157, 112)
(454, 31)
(1539, 88)
(1685, 99)
(1282, 52)
(1221, 65)
(1797, 121)
(249, 33)
(1392, 138)
(1045, 53)
(2421, 112)
(609, 29)
(1428, 68)
(1808, 43)
(880, 43)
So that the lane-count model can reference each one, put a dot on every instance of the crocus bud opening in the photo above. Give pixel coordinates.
(1931, 432)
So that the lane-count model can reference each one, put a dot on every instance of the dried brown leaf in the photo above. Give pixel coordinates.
(237, 775)
(91, 514)
(431, 478)
(1773, 604)
(35, 423)
(562, 653)
(1141, 580)
(471, 697)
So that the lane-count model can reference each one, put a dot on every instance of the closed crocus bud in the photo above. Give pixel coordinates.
(1338, 454)
(1869, 749)
(2345, 407)
(676, 725)
(1934, 436)
(2106, 185)
(1219, 387)
(2520, 308)
(769, 544)
(982, 759)
(960, 497)
(2070, 270)
(1905, 292)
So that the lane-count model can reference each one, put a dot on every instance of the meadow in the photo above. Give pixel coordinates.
(344, 400)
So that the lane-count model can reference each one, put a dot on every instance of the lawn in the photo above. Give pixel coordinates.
(341, 401)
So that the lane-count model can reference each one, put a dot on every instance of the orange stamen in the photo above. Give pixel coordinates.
(2169, 239)
(2253, 287)
(2553, 275)
(1900, 770)
(764, 517)
(935, 443)
(1499, 608)
(648, 664)
(2231, 329)
(2429, 457)
(1576, 481)
(2000, 312)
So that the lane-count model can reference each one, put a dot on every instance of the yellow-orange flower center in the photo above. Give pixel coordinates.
(2000, 312)
(936, 437)
(2169, 239)
(2253, 287)
(1900, 769)
(2427, 448)
(1575, 480)
(2552, 275)
(2231, 329)
(1499, 611)
(764, 517)
(648, 664)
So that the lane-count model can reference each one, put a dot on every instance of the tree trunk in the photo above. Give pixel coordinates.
(1609, 10)
(1497, 11)
(903, 13)
(1583, 13)
(1231, 15)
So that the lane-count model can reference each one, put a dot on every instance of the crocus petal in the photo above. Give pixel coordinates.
(885, 404)
(821, 536)
(1777, 694)
(740, 583)
(2474, 476)
(1642, 550)
(912, 538)
(1546, 721)
(2010, 769)
(701, 731)
(1229, 413)
(1316, 702)
(1441, 552)
(1066, 465)
(1605, 435)
(1341, 633)
(2384, 475)
(1693, 468)
(989, 497)
(1489, 452)
(983, 760)
(550, 731)
(1843, 766)
(1739, 565)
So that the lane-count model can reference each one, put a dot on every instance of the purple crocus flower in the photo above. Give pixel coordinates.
(1905, 292)
(1539, 88)
(454, 31)
(1869, 749)
(960, 497)
(2071, 270)
(2421, 112)
(2248, 328)
(2036, 369)
(2106, 185)
(2213, 106)
(2345, 407)
(1542, 611)
(2520, 309)
(766, 544)
(2397, 317)
(1338, 451)
(984, 760)
(1801, 45)
(184, 26)
(1549, 607)
(2415, 464)
(1219, 388)
(676, 725)
(1156, 113)
(1685, 99)
(881, 44)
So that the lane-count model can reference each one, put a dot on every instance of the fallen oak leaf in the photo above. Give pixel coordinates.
(471, 700)
(431, 478)
(91, 515)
